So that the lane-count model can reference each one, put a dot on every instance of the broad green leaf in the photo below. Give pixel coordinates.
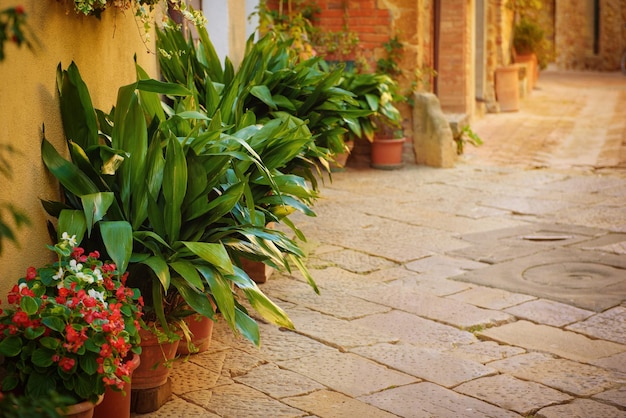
(213, 253)
(197, 300)
(161, 87)
(188, 272)
(10, 346)
(42, 357)
(248, 327)
(73, 222)
(222, 293)
(74, 180)
(118, 240)
(95, 206)
(53, 322)
(160, 269)
(264, 94)
(260, 302)
(29, 305)
(174, 187)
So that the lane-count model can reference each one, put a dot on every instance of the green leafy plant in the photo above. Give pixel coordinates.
(271, 83)
(467, 136)
(373, 106)
(17, 216)
(69, 328)
(164, 194)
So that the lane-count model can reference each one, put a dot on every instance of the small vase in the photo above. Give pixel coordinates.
(386, 154)
(153, 353)
(115, 403)
(81, 410)
(201, 329)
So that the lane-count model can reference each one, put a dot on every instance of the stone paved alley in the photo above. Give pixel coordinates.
(493, 289)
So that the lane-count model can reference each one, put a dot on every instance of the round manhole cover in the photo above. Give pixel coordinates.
(574, 275)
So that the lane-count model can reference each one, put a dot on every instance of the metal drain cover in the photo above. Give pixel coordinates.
(591, 280)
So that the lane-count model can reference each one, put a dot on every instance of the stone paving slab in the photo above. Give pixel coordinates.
(334, 332)
(173, 408)
(331, 302)
(427, 400)
(425, 363)
(565, 344)
(616, 397)
(565, 375)
(415, 330)
(524, 206)
(347, 373)
(433, 286)
(539, 234)
(489, 298)
(581, 408)
(589, 280)
(611, 243)
(513, 394)
(608, 325)
(327, 404)
(187, 374)
(441, 266)
(404, 296)
(548, 312)
(485, 351)
(355, 261)
(616, 363)
(241, 401)
(278, 383)
(490, 253)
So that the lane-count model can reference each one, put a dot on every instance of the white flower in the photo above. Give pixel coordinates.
(22, 286)
(98, 274)
(97, 295)
(59, 274)
(87, 278)
(75, 266)
(70, 240)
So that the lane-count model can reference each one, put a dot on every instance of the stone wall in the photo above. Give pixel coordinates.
(103, 50)
(574, 34)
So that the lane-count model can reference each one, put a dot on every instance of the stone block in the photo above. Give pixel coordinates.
(277, 382)
(433, 142)
(325, 403)
(608, 325)
(565, 344)
(347, 373)
(514, 394)
(425, 363)
(427, 400)
(581, 408)
(564, 375)
(548, 312)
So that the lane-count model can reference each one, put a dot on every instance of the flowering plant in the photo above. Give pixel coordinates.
(71, 328)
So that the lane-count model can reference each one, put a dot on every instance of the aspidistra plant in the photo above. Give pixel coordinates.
(170, 208)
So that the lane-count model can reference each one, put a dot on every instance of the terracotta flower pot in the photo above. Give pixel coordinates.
(201, 329)
(81, 410)
(117, 404)
(386, 154)
(153, 370)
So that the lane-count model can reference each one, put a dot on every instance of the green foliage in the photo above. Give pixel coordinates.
(48, 406)
(467, 136)
(372, 108)
(270, 84)
(391, 63)
(191, 193)
(527, 36)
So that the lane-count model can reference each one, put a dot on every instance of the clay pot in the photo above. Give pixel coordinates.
(117, 404)
(386, 154)
(81, 410)
(153, 354)
(507, 88)
(201, 329)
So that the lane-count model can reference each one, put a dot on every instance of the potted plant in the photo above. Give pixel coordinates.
(530, 47)
(375, 117)
(70, 328)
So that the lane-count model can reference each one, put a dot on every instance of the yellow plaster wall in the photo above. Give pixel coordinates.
(103, 50)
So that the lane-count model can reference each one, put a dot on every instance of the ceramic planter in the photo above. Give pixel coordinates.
(117, 404)
(386, 154)
(81, 410)
(153, 353)
(201, 329)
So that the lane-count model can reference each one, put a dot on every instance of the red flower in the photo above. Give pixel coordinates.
(19, 9)
(67, 364)
(94, 254)
(31, 273)
(21, 319)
